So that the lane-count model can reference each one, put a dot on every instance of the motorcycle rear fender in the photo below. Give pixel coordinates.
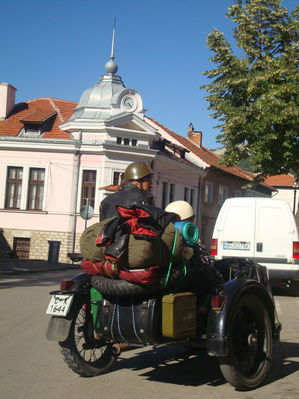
(59, 327)
(218, 321)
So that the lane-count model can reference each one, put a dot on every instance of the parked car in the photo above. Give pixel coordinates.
(260, 229)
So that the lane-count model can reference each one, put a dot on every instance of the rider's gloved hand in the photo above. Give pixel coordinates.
(104, 268)
(89, 267)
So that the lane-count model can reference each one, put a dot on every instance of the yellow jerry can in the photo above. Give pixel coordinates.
(179, 315)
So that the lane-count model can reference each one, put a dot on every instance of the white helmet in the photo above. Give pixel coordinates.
(181, 208)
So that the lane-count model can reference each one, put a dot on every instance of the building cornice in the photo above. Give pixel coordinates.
(71, 146)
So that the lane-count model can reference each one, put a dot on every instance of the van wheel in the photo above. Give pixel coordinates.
(249, 344)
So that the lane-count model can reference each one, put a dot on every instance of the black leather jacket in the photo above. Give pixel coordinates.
(127, 196)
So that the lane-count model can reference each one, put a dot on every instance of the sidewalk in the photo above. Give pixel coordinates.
(16, 266)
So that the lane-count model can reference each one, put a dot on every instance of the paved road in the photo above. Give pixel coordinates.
(31, 367)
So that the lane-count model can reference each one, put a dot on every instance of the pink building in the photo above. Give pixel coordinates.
(55, 155)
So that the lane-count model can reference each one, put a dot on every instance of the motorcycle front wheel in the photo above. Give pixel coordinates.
(84, 354)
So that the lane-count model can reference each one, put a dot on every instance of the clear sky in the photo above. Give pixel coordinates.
(58, 48)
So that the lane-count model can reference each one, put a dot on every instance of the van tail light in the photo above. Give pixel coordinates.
(218, 301)
(296, 249)
(214, 247)
(66, 285)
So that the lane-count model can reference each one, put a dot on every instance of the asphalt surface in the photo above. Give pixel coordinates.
(16, 266)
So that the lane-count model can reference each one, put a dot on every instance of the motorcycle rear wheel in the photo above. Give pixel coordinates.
(84, 354)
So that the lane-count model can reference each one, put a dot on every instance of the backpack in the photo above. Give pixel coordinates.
(139, 254)
(88, 247)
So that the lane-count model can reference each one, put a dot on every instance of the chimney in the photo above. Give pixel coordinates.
(194, 136)
(7, 99)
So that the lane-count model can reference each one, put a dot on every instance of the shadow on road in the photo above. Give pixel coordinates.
(45, 278)
(176, 365)
(293, 290)
(283, 360)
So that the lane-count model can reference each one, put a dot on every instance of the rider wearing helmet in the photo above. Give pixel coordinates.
(134, 189)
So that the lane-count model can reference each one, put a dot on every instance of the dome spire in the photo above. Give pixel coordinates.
(111, 66)
(113, 40)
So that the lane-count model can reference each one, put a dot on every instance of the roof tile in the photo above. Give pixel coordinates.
(280, 180)
(206, 155)
(37, 110)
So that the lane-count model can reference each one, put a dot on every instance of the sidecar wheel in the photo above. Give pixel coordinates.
(249, 344)
(84, 354)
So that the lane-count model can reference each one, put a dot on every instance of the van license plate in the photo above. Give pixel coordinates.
(236, 245)
(59, 305)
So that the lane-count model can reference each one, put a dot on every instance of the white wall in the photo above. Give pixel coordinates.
(287, 194)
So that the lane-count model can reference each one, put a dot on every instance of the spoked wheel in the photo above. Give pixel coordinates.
(84, 354)
(249, 344)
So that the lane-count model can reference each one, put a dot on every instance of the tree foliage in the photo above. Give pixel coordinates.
(255, 96)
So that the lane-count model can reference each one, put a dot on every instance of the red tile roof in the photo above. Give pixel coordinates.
(206, 155)
(38, 115)
(37, 110)
(280, 180)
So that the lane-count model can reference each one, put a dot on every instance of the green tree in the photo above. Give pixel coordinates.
(255, 96)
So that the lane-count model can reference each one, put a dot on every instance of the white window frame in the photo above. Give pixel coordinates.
(164, 194)
(209, 192)
(189, 195)
(223, 194)
(171, 196)
(169, 193)
(186, 194)
(79, 191)
(25, 187)
(192, 197)
(120, 177)
(31, 132)
(28, 190)
(95, 185)
(133, 142)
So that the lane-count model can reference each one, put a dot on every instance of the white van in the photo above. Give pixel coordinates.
(261, 229)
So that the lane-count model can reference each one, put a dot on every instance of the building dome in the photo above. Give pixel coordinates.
(96, 103)
(108, 98)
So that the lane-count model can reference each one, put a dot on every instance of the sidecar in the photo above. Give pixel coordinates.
(237, 323)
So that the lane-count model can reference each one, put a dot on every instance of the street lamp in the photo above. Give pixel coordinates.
(295, 185)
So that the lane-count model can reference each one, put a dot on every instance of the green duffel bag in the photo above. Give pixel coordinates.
(140, 253)
(88, 247)
(168, 238)
(143, 253)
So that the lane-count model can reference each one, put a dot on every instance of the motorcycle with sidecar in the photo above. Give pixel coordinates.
(92, 317)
